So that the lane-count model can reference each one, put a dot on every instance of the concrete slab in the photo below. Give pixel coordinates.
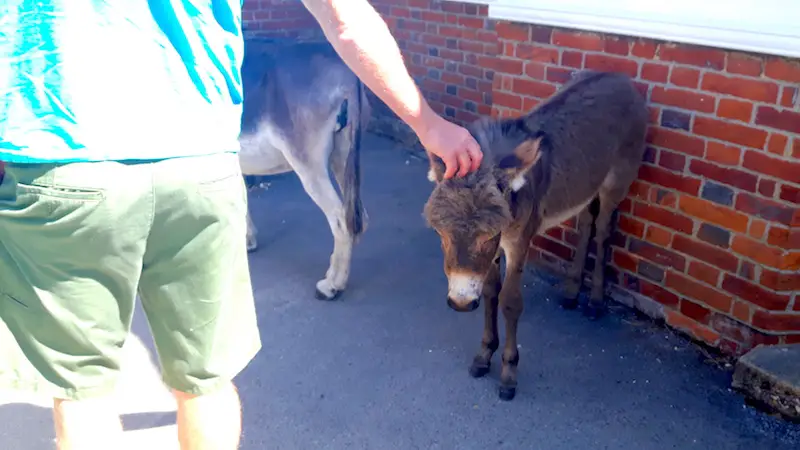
(385, 367)
(770, 377)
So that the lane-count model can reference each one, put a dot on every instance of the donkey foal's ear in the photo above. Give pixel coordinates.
(437, 168)
(520, 161)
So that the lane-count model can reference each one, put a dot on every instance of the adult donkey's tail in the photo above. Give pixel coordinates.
(357, 117)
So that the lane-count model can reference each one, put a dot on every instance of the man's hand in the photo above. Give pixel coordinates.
(454, 145)
(362, 39)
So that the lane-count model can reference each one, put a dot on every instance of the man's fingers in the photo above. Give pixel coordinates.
(464, 164)
(475, 154)
(450, 166)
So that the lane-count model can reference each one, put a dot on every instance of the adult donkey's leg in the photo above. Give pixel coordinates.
(312, 170)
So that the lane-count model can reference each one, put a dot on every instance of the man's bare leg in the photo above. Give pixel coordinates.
(87, 424)
(211, 421)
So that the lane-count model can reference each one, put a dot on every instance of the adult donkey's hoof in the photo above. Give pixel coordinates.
(477, 370)
(507, 393)
(326, 292)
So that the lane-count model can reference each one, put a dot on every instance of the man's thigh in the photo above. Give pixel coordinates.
(71, 245)
(195, 286)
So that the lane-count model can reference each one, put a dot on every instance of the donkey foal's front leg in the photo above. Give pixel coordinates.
(512, 305)
(490, 341)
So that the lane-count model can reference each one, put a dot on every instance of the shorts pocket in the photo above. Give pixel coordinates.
(61, 192)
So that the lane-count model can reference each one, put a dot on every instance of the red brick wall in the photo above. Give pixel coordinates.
(278, 18)
(711, 229)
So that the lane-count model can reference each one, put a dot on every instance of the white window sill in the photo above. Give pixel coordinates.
(759, 26)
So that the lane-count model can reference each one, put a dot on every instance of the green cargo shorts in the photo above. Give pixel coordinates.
(78, 241)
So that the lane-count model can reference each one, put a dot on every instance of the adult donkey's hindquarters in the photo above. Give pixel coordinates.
(583, 145)
(304, 111)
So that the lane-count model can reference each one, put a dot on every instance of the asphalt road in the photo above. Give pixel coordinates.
(385, 366)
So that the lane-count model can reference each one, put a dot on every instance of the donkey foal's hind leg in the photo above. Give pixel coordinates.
(574, 277)
(609, 199)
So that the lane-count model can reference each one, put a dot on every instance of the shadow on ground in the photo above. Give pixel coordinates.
(385, 367)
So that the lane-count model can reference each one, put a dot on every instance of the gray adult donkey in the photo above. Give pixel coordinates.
(580, 148)
(304, 111)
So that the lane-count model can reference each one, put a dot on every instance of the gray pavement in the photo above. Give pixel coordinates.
(385, 366)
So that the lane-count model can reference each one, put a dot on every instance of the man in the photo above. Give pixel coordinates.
(118, 126)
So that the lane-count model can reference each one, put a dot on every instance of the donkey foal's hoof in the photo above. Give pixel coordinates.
(507, 393)
(569, 303)
(478, 370)
(595, 310)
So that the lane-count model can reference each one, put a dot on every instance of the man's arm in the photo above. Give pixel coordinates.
(364, 42)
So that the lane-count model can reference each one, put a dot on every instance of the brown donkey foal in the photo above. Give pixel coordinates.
(584, 145)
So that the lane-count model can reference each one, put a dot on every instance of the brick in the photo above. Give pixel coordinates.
(704, 252)
(766, 187)
(726, 175)
(650, 271)
(789, 96)
(796, 147)
(533, 88)
(507, 100)
(663, 197)
(658, 236)
(730, 132)
(757, 228)
(644, 49)
(535, 70)
(781, 119)
(690, 309)
(758, 252)
(717, 193)
(676, 119)
(535, 52)
(631, 226)
(578, 40)
(711, 212)
(790, 194)
(657, 255)
(718, 152)
(693, 55)
(777, 144)
(754, 293)
(639, 190)
(698, 291)
(553, 247)
(781, 237)
(756, 90)
(691, 327)
(769, 321)
(624, 260)
(664, 217)
(704, 272)
(683, 99)
(782, 169)
(676, 140)
(780, 281)
(747, 270)
(766, 209)
(744, 65)
(512, 31)
(658, 294)
(572, 59)
(671, 160)
(714, 235)
(668, 179)
(541, 34)
(685, 77)
(608, 63)
(782, 69)
(742, 311)
(503, 65)
(655, 72)
(616, 45)
(735, 109)
(558, 74)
